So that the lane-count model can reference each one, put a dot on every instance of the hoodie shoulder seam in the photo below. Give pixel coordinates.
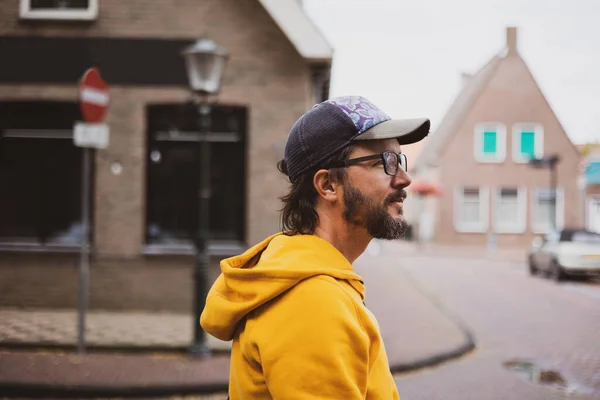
(336, 284)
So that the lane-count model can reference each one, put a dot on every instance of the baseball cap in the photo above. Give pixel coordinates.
(335, 123)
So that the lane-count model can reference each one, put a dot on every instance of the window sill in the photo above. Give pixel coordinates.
(470, 229)
(517, 228)
(39, 248)
(517, 231)
(58, 16)
(484, 160)
(215, 248)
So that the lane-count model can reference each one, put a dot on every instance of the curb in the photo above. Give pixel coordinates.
(39, 391)
(433, 361)
(89, 392)
(468, 345)
(96, 348)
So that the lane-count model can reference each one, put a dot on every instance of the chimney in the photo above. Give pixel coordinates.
(511, 39)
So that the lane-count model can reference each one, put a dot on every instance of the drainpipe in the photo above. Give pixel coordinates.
(581, 184)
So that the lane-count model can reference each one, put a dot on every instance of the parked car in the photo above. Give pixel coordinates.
(564, 253)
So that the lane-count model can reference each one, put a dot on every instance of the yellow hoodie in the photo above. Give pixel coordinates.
(294, 309)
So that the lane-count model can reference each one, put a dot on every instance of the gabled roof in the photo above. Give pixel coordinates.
(464, 102)
(457, 112)
(299, 29)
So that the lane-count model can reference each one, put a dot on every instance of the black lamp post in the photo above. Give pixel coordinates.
(549, 162)
(205, 62)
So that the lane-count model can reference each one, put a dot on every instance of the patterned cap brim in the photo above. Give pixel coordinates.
(405, 130)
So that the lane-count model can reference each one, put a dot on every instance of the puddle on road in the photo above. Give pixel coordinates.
(542, 374)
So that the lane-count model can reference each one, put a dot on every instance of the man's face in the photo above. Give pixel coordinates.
(373, 200)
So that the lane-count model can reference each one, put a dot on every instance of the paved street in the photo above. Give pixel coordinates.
(513, 316)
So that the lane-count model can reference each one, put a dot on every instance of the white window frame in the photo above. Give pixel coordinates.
(560, 209)
(538, 130)
(91, 13)
(480, 226)
(521, 225)
(500, 130)
(590, 203)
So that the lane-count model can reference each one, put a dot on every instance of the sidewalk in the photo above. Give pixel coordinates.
(516, 255)
(417, 332)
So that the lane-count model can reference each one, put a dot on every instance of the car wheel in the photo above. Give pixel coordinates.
(532, 268)
(556, 273)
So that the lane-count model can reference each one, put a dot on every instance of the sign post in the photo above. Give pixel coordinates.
(93, 98)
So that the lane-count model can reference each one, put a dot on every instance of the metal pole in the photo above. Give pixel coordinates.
(582, 201)
(202, 255)
(553, 163)
(85, 251)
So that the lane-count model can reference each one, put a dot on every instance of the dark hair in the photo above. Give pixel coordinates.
(298, 215)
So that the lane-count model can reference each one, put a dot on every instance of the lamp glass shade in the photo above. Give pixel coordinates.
(205, 63)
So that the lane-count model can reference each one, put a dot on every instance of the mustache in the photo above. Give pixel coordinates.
(399, 196)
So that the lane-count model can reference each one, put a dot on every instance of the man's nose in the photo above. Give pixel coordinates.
(401, 180)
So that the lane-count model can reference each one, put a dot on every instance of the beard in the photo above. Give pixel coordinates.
(361, 211)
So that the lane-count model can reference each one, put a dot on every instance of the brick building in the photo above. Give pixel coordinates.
(479, 155)
(145, 184)
(590, 181)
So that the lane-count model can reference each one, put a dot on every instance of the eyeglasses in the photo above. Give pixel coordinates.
(390, 159)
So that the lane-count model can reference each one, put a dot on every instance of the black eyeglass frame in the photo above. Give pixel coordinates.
(401, 160)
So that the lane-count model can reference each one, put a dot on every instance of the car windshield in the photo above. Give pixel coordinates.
(586, 237)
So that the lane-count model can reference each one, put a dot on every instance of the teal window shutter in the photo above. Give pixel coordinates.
(528, 144)
(592, 172)
(489, 142)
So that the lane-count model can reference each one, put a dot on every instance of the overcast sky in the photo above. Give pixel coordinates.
(407, 55)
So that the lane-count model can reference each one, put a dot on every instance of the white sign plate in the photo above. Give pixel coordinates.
(91, 135)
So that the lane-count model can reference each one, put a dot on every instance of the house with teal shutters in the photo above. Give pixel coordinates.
(480, 154)
(590, 181)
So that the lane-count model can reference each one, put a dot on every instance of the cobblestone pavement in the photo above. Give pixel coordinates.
(513, 316)
(123, 329)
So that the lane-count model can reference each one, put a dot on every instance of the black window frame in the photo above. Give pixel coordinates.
(46, 125)
(175, 126)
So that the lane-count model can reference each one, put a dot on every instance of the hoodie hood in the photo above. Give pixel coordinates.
(266, 271)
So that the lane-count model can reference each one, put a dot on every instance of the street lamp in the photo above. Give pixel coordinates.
(205, 62)
(549, 162)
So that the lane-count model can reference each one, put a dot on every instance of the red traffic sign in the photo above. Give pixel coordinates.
(93, 96)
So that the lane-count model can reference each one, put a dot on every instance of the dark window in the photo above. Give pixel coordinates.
(586, 237)
(40, 174)
(174, 171)
(471, 192)
(509, 193)
(59, 4)
(579, 236)
(321, 80)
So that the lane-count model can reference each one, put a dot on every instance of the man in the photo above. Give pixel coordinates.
(293, 304)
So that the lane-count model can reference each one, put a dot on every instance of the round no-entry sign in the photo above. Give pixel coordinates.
(93, 96)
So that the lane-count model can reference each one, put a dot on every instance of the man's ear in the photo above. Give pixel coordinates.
(326, 187)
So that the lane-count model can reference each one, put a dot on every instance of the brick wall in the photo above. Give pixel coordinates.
(157, 283)
(265, 74)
